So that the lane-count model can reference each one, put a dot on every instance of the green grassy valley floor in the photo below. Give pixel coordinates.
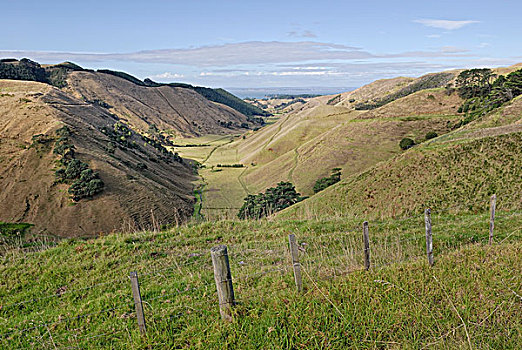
(77, 294)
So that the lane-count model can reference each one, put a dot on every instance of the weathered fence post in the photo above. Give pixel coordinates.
(137, 301)
(366, 239)
(429, 238)
(492, 218)
(223, 278)
(294, 251)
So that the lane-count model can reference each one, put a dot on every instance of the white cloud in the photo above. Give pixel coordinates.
(230, 55)
(433, 36)
(444, 23)
(168, 75)
(250, 52)
(453, 49)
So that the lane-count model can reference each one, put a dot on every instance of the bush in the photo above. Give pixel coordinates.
(75, 169)
(406, 143)
(431, 135)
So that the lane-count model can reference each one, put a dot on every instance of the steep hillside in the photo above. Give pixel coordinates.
(460, 169)
(175, 111)
(57, 75)
(84, 152)
(142, 180)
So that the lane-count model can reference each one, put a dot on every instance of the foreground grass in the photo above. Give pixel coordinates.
(77, 294)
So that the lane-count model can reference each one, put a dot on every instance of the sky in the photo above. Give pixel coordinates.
(268, 43)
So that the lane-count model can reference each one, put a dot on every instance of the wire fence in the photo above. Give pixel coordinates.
(320, 257)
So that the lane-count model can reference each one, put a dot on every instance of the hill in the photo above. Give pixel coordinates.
(458, 169)
(331, 132)
(304, 145)
(84, 152)
(141, 178)
(57, 74)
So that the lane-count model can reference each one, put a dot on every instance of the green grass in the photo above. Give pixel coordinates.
(402, 304)
(462, 174)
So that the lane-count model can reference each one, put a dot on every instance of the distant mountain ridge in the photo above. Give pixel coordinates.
(26, 69)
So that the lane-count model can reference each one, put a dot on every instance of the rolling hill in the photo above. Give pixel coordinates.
(452, 172)
(57, 121)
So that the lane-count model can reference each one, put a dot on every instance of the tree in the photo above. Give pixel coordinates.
(406, 143)
(273, 200)
(475, 82)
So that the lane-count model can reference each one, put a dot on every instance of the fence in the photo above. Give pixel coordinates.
(130, 302)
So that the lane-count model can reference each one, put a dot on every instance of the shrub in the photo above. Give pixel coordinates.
(406, 143)
(431, 135)
(74, 169)
(325, 182)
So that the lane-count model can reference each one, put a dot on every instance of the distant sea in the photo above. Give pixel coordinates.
(264, 92)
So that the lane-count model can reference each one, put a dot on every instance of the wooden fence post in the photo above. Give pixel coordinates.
(137, 301)
(294, 252)
(492, 218)
(366, 240)
(223, 278)
(429, 238)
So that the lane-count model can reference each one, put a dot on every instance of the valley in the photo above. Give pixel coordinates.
(173, 187)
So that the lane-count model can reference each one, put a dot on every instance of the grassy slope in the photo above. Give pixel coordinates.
(459, 169)
(396, 306)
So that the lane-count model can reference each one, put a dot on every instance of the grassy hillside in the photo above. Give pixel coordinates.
(471, 297)
(458, 169)
(141, 178)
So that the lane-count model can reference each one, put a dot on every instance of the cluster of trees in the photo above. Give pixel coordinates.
(325, 182)
(25, 69)
(406, 143)
(122, 135)
(238, 165)
(273, 200)
(334, 100)
(289, 103)
(485, 91)
(429, 81)
(84, 182)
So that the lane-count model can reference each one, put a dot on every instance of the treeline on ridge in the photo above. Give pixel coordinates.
(484, 91)
(429, 81)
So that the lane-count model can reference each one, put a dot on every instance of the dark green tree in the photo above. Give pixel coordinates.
(273, 200)
(406, 143)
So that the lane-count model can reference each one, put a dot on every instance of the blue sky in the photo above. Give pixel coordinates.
(265, 43)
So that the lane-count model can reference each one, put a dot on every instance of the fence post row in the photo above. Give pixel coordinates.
(492, 217)
(223, 278)
(137, 301)
(429, 238)
(294, 252)
(366, 240)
